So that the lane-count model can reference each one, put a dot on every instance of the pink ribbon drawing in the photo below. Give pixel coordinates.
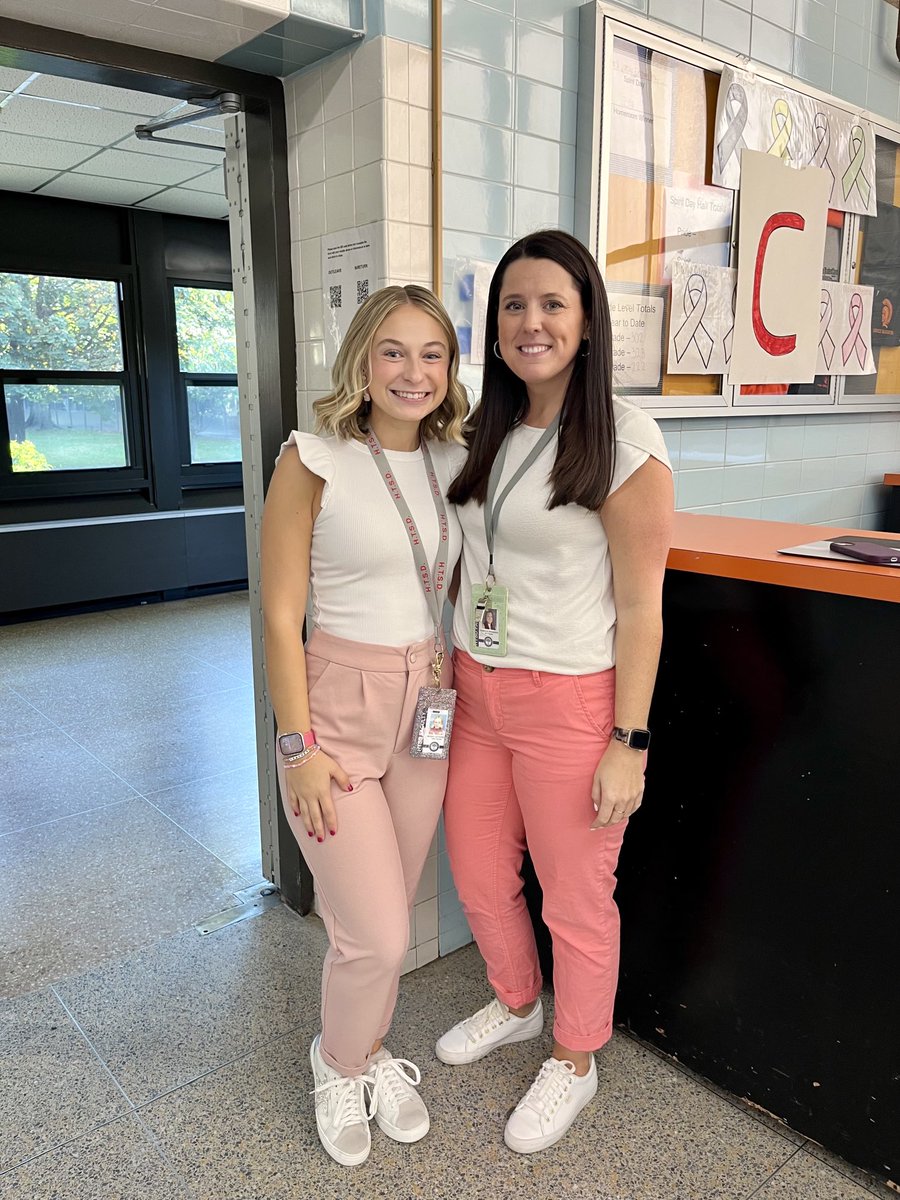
(854, 341)
(692, 328)
(826, 341)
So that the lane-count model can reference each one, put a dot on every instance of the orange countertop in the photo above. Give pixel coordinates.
(739, 548)
(889, 481)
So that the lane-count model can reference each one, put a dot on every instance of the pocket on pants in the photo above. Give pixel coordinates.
(316, 669)
(597, 697)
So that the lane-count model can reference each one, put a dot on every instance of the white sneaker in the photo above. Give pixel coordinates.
(343, 1110)
(399, 1110)
(549, 1106)
(494, 1025)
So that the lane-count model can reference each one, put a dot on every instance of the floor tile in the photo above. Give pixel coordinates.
(94, 887)
(186, 1006)
(117, 1162)
(805, 1177)
(34, 645)
(52, 1088)
(854, 1174)
(192, 738)
(17, 716)
(46, 775)
(222, 813)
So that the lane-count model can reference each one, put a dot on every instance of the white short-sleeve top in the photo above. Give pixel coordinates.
(556, 565)
(364, 585)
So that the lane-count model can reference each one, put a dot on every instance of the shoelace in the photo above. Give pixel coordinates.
(485, 1020)
(357, 1099)
(392, 1079)
(548, 1090)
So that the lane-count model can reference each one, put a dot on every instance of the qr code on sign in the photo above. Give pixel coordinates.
(334, 295)
(362, 290)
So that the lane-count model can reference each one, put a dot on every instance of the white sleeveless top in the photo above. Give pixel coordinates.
(364, 585)
(562, 616)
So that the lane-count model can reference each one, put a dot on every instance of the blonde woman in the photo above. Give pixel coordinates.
(348, 516)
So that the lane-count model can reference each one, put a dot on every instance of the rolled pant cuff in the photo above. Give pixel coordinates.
(581, 1041)
(347, 1072)
(518, 999)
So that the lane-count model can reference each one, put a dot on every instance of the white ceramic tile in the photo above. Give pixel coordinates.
(294, 213)
(784, 442)
(369, 192)
(396, 63)
(419, 137)
(540, 55)
(781, 478)
(702, 487)
(849, 470)
(336, 89)
(296, 269)
(820, 441)
(412, 928)
(310, 263)
(813, 506)
(313, 315)
(368, 72)
(426, 952)
(368, 133)
(702, 448)
(779, 508)
(419, 195)
(340, 209)
(339, 145)
(880, 437)
(317, 373)
(745, 444)
(426, 920)
(420, 77)
(816, 474)
(428, 884)
(476, 206)
(420, 266)
(477, 149)
(409, 962)
(398, 260)
(534, 210)
(477, 92)
(743, 482)
(537, 163)
(310, 148)
(312, 210)
(396, 141)
(397, 178)
(309, 101)
(854, 439)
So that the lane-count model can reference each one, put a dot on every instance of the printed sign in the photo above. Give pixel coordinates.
(351, 268)
(637, 328)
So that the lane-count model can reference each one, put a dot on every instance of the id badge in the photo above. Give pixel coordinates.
(488, 620)
(433, 723)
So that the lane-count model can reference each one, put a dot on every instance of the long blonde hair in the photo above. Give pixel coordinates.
(343, 412)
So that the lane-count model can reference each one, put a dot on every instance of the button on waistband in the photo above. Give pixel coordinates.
(412, 658)
(487, 668)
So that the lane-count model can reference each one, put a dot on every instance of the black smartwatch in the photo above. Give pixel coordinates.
(634, 739)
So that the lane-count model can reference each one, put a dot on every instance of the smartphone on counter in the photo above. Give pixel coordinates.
(882, 553)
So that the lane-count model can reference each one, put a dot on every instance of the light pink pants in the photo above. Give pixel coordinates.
(524, 751)
(362, 700)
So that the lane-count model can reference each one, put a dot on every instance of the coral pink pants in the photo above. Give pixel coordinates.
(362, 700)
(522, 760)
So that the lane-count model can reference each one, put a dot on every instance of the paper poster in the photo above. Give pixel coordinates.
(641, 132)
(845, 329)
(637, 332)
(697, 226)
(781, 249)
(701, 326)
(481, 282)
(753, 114)
(351, 268)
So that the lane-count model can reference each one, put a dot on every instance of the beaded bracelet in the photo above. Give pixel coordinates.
(302, 759)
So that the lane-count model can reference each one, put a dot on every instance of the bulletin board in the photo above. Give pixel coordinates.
(662, 127)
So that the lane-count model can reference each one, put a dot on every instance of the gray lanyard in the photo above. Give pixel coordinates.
(434, 581)
(492, 507)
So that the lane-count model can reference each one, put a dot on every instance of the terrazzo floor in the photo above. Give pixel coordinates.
(139, 1060)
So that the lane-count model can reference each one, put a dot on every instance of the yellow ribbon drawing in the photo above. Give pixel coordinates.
(782, 124)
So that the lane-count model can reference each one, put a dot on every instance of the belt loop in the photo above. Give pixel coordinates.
(536, 679)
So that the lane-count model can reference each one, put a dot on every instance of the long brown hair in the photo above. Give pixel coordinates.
(585, 458)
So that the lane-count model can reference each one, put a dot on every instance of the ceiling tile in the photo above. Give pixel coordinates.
(211, 181)
(23, 179)
(98, 191)
(77, 91)
(10, 78)
(41, 152)
(48, 118)
(140, 167)
(198, 204)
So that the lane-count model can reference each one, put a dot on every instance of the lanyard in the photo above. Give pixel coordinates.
(492, 507)
(433, 581)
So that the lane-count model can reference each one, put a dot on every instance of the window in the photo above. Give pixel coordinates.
(62, 373)
(207, 361)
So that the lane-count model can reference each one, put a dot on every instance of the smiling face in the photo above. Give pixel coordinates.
(408, 368)
(540, 324)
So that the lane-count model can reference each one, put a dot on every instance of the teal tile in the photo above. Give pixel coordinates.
(477, 149)
(849, 81)
(478, 92)
(813, 63)
(773, 45)
(815, 22)
(476, 206)
(852, 40)
(727, 26)
(777, 12)
(686, 14)
(480, 33)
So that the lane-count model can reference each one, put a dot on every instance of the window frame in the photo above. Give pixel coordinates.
(195, 476)
(87, 481)
(600, 26)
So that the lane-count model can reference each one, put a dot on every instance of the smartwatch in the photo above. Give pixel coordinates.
(635, 739)
(296, 743)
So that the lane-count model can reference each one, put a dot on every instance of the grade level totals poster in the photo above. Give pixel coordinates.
(637, 327)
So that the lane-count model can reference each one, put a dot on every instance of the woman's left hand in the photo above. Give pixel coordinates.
(618, 786)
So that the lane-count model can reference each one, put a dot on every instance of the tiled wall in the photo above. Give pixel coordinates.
(510, 81)
(359, 152)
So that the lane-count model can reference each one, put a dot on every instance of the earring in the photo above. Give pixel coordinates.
(497, 353)
(585, 347)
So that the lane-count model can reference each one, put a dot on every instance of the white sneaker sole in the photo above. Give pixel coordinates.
(532, 1145)
(402, 1135)
(339, 1156)
(458, 1058)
